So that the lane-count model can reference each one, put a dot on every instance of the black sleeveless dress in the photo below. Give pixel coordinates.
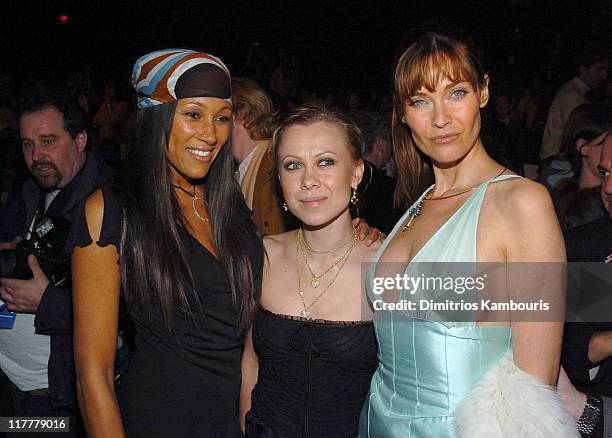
(314, 376)
(189, 385)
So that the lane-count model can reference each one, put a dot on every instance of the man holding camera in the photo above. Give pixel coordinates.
(36, 357)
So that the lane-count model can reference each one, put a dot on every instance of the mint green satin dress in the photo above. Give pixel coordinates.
(427, 366)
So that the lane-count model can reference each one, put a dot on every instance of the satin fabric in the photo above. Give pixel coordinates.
(426, 365)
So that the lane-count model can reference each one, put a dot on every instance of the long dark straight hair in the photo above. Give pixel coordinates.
(154, 261)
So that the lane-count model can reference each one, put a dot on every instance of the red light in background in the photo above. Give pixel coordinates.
(63, 18)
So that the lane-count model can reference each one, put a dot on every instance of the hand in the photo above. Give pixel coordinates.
(600, 346)
(24, 295)
(366, 232)
(573, 400)
(10, 245)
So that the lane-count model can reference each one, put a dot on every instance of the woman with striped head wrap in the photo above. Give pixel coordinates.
(189, 265)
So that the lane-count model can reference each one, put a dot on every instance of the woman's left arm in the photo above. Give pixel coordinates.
(535, 252)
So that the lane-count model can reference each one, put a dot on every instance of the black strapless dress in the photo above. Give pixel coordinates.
(314, 376)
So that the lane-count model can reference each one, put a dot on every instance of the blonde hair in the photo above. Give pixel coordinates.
(311, 114)
(430, 59)
(254, 107)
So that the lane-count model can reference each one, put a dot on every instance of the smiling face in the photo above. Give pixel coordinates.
(445, 122)
(317, 172)
(200, 128)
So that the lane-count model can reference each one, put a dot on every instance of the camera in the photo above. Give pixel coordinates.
(47, 244)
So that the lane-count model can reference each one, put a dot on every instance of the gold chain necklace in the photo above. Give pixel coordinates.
(316, 279)
(305, 312)
(193, 201)
(439, 198)
(415, 211)
(322, 251)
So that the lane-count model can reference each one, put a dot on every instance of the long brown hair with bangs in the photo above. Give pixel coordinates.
(431, 58)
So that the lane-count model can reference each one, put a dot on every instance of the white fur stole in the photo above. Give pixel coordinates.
(509, 403)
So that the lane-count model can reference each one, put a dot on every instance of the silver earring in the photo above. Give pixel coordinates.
(285, 208)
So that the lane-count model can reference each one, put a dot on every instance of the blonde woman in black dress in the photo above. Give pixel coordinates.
(311, 351)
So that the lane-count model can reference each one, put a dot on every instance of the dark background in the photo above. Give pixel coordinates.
(339, 44)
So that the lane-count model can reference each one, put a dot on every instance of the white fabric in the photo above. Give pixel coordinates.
(148, 57)
(48, 200)
(24, 355)
(570, 95)
(50, 197)
(509, 403)
(593, 372)
(244, 165)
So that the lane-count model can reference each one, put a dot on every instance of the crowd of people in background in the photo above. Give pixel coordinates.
(523, 124)
(558, 133)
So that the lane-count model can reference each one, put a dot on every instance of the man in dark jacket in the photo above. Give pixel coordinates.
(36, 357)
(376, 188)
(592, 242)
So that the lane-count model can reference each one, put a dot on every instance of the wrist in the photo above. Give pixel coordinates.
(575, 403)
(582, 400)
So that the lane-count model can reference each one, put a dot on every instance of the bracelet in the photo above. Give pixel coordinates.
(590, 414)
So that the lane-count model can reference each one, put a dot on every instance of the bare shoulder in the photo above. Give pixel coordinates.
(277, 244)
(521, 199)
(526, 221)
(94, 213)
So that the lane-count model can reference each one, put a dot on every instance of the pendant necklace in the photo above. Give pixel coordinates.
(316, 279)
(305, 312)
(193, 201)
(415, 211)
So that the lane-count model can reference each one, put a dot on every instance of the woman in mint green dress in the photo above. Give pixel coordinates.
(437, 378)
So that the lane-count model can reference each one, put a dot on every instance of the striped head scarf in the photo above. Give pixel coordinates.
(171, 74)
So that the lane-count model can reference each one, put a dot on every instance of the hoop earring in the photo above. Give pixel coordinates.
(354, 197)
(284, 207)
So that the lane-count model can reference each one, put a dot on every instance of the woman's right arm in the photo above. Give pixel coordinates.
(95, 294)
(250, 369)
